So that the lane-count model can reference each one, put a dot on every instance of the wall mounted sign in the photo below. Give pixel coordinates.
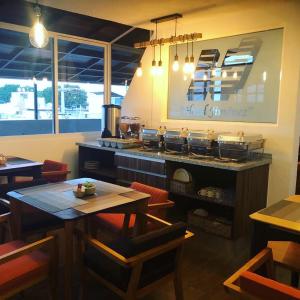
(236, 78)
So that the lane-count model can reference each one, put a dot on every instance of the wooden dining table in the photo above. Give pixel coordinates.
(278, 222)
(59, 200)
(17, 166)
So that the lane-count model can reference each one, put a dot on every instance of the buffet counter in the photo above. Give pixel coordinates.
(213, 163)
(227, 191)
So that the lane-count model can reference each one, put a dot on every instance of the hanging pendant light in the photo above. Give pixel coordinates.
(139, 70)
(160, 67)
(192, 60)
(153, 67)
(186, 66)
(38, 34)
(175, 65)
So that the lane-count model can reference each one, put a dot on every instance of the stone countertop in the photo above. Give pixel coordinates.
(233, 166)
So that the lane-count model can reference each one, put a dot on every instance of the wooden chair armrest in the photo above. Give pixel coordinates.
(5, 202)
(165, 204)
(48, 241)
(4, 217)
(118, 258)
(146, 255)
(253, 264)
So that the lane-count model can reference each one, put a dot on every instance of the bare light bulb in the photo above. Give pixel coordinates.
(139, 70)
(264, 76)
(175, 65)
(192, 66)
(186, 66)
(38, 34)
(224, 74)
(235, 75)
(153, 68)
(159, 70)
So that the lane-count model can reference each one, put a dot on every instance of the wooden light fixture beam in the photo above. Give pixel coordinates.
(178, 39)
(173, 39)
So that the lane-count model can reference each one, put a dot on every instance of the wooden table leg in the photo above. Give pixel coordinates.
(37, 172)
(141, 218)
(259, 238)
(16, 219)
(69, 230)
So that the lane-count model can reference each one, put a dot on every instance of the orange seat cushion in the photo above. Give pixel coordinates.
(265, 288)
(156, 195)
(114, 222)
(21, 270)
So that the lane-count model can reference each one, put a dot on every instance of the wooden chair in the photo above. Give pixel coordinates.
(248, 284)
(52, 171)
(24, 265)
(287, 255)
(133, 267)
(157, 206)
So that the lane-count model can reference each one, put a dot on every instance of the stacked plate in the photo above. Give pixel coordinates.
(91, 164)
(182, 175)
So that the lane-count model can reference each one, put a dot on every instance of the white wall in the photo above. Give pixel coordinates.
(147, 96)
(59, 147)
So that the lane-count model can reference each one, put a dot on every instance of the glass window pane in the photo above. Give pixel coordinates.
(124, 63)
(80, 86)
(26, 101)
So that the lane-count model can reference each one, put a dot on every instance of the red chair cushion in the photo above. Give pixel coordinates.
(114, 222)
(54, 171)
(21, 270)
(265, 288)
(51, 165)
(156, 195)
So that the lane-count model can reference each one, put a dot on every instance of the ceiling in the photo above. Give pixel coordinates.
(77, 62)
(132, 12)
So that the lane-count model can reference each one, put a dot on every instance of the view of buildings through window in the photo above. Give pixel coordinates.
(26, 86)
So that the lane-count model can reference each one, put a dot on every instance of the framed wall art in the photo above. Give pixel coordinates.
(236, 78)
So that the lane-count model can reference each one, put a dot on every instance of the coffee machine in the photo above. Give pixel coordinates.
(111, 120)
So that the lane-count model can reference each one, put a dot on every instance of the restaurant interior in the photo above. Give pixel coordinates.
(149, 149)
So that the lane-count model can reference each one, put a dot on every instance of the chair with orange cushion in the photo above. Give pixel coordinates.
(157, 206)
(24, 265)
(249, 284)
(52, 171)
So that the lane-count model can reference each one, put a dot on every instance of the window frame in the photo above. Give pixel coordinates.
(61, 36)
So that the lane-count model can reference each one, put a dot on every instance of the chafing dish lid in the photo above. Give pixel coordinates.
(152, 131)
(203, 135)
(176, 133)
(240, 137)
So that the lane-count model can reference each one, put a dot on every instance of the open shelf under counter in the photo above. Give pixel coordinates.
(220, 201)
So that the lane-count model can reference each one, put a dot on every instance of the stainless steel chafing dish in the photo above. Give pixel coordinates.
(240, 146)
(202, 143)
(152, 139)
(176, 141)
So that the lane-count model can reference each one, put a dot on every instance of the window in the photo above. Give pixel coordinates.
(124, 63)
(80, 86)
(29, 103)
(26, 100)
